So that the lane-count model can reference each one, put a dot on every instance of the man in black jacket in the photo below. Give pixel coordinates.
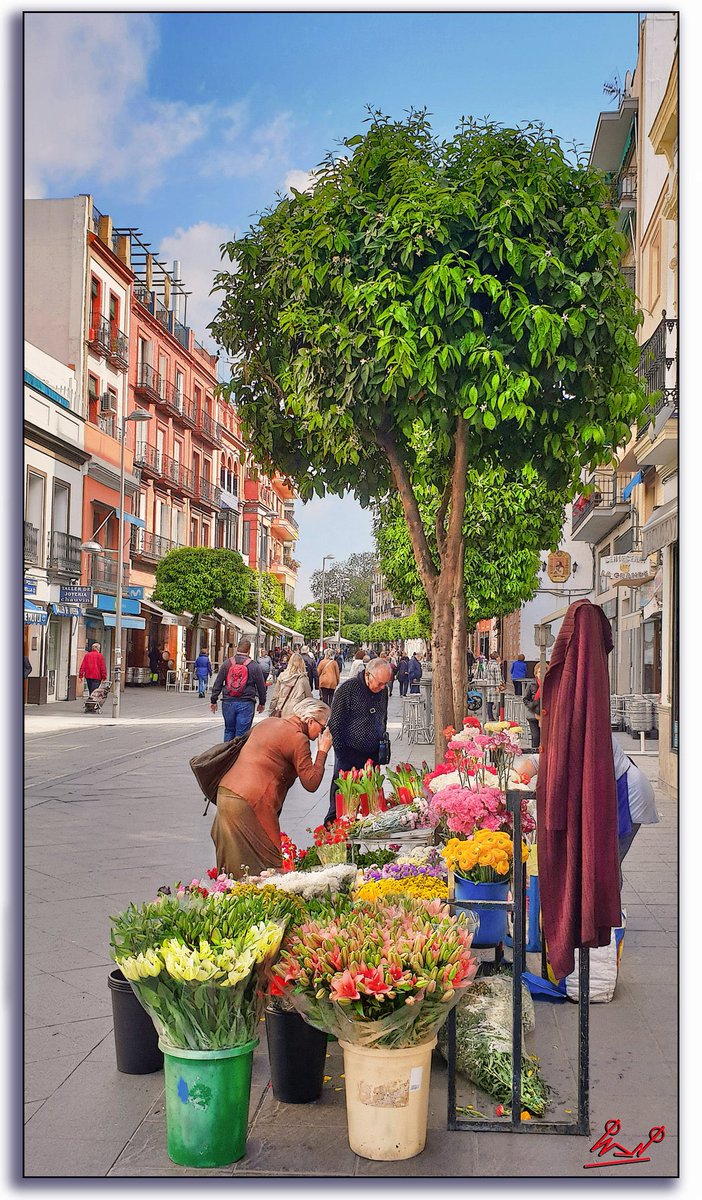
(311, 667)
(358, 720)
(238, 710)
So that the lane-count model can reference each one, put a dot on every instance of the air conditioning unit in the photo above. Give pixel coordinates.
(108, 403)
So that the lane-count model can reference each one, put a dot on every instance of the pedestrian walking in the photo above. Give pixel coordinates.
(532, 703)
(636, 801)
(27, 670)
(240, 689)
(518, 673)
(328, 674)
(291, 687)
(470, 663)
(357, 663)
(339, 660)
(203, 671)
(154, 660)
(414, 673)
(495, 685)
(358, 721)
(403, 673)
(393, 663)
(265, 662)
(311, 666)
(93, 669)
(250, 796)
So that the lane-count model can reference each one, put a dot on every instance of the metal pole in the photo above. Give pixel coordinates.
(258, 603)
(321, 611)
(118, 594)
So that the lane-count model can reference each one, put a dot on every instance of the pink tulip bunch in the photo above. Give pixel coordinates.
(409, 958)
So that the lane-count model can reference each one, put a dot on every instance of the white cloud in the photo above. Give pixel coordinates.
(243, 150)
(302, 181)
(326, 523)
(197, 250)
(87, 109)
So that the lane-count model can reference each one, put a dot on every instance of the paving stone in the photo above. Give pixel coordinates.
(44, 1076)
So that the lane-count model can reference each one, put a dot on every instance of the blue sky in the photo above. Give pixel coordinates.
(187, 124)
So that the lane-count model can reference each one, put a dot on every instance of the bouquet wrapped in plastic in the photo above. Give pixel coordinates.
(200, 965)
(384, 974)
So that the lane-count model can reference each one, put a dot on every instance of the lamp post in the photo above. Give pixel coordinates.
(265, 513)
(138, 415)
(327, 558)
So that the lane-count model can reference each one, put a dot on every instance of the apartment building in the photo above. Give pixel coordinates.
(383, 605)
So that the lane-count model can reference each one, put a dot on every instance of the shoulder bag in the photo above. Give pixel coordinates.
(210, 767)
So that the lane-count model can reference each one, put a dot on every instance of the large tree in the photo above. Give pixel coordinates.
(469, 285)
(349, 579)
(198, 579)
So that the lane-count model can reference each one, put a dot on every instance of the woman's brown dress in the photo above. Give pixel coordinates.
(246, 830)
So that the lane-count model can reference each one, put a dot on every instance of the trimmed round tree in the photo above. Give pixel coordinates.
(469, 286)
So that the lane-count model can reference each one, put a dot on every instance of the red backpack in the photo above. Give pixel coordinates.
(237, 678)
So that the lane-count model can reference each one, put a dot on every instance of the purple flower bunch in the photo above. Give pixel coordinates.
(404, 871)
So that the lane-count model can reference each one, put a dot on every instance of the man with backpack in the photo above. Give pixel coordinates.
(240, 682)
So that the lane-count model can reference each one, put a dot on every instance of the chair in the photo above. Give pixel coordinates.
(173, 682)
(415, 724)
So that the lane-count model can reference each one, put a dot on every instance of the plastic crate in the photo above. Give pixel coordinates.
(638, 714)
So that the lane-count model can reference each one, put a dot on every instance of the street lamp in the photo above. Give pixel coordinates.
(266, 513)
(327, 558)
(93, 547)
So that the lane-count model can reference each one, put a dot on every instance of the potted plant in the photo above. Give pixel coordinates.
(382, 978)
(481, 865)
(200, 965)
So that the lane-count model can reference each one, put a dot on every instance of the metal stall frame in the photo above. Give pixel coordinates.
(515, 1125)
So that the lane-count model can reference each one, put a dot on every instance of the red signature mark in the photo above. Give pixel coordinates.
(621, 1157)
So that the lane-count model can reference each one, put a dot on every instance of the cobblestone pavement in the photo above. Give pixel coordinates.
(112, 811)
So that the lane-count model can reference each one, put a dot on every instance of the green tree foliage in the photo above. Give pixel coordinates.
(309, 618)
(272, 597)
(506, 526)
(198, 579)
(355, 632)
(471, 286)
(351, 579)
(290, 616)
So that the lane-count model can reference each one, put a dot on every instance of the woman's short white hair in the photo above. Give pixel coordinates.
(312, 710)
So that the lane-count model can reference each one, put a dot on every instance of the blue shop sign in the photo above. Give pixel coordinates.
(66, 610)
(133, 592)
(108, 603)
(71, 594)
(30, 587)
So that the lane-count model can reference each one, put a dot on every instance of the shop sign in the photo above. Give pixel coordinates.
(75, 595)
(558, 567)
(132, 592)
(626, 568)
(67, 610)
(38, 617)
(167, 619)
(30, 587)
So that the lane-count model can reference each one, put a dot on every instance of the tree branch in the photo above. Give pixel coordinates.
(441, 519)
(454, 537)
(425, 563)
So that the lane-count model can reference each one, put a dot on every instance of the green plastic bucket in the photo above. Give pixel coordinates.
(207, 1104)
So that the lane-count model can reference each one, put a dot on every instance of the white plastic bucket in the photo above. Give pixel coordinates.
(387, 1100)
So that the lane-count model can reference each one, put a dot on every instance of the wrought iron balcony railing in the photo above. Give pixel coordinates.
(118, 352)
(626, 187)
(658, 370)
(104, 573)
(207, 428)
(289, 514)
(207, 492)
(31, 543)
(64, 553)
(99, 335)
(607, 489)
(150, 545)
(148, 382)
(148, 458)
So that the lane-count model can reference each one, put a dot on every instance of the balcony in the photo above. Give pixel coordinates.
(148, 459)
(142, 294)
(148, 383)
(103, 575)
(160, 312)
(64, 553)
(207, 492)
(207, 428)
(181, 333)
(283, 489)
(595, 515)
(99, 336)
(629, 274)
(189, 413)
(289, 514)
(150, 546)
(284, 526)
(118, 351)
(658, 368)
(31, 543)
(172, 399)
(626, 187)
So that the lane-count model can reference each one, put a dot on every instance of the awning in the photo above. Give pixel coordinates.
(132, 520)
(167, 618)
(636, 479)
(34, 615)
(239, 623)
(661, 529)
(276, 627)
(109, 620)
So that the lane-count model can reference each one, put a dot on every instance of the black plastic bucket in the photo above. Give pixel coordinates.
(296, 1053)
(136, 1040)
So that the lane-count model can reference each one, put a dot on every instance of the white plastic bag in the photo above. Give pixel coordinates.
(604, 969)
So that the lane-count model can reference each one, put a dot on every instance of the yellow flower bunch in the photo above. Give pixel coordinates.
(419, 887)
(225, 964)
(485, 849)
(502, 726)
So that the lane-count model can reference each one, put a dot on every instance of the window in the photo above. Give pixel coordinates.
(246, 538)
(625, 543)
(34, 509)
(179, 387)
(60, 507)
(205, 533)
(114, 314)
(602, 580)
(223, 475)
(95, 301)
(163, 374)
(193, 532)
(93, 392)
(654, 269)
(197, 400)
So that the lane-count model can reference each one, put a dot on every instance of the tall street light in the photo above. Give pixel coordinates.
(327, 558)
(138, 415)
(266, 513)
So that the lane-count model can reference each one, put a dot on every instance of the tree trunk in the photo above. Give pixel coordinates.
(459, 667)
(442, 686)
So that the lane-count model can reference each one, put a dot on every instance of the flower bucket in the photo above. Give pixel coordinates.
(207, 1104)
(387, 1100)
(335, 852)
(296, 1053)
(136, 1039)
(492, 923)
(346, 806)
